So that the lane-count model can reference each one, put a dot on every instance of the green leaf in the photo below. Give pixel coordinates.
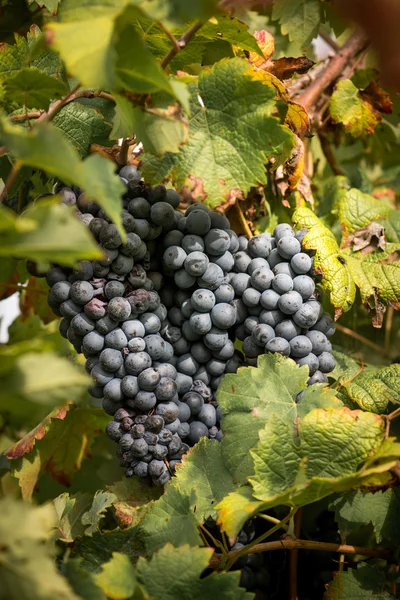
(160, 130)
(364, 583)
(328, 260)
(97, 549)
(170, 519)
(299, 19)
(27, 566)
(204, 472)
(117, 577)
(124, 120)
(357, 210)
(327, 451)
(33, 88)
(248, 398)
(82, 125)
(92, 518)
(81, 581)
(31, 380)
(95, 175)
(98, 50)
(356, 509)
(231, 134)
(133, 499)
(39, 234)
(61, 451)
(174, 573)
(374, 389)
(317, 396)
(15, 57)
(69, 511)
(347, 107)
(346, 367)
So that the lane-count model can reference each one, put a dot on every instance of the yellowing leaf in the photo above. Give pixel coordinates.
(346, 106)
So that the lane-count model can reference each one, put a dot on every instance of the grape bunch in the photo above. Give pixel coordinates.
(157, 317)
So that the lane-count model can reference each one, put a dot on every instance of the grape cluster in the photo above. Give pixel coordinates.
(157, 317)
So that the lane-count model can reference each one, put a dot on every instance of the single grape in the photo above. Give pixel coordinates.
(282, 283)
(192, 243)
(136, 362)
(271, 317)
(262, 334)
(198, 222)
(278, 345)
(212, 277)
(197, 431)
(196, 263)
(241, 262)
(304, 285)
(300, 346)
(240, 282)
(174, 257)
(318, 377)
(301, 263)
(311, 361)
(119, 309)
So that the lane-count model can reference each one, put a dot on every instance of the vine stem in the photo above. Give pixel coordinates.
(294, 557)
(361, 338)
(355, 44)
(181, 43)
(273, 520)
(290, 544)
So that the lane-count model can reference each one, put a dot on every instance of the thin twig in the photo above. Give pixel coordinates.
(242, 220)
(169, 35)
(181, 43)
(388, 327)
(122, 156)
(31, 115)
(334, 68)
(216, 542)
(294, 558)
(361, 338)
(249, 548)
(289, 544)
(17, 166)
(56, 106)
(273, 520)
(330, 157)
(328, 40)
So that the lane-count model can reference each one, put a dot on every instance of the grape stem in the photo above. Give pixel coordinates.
(181, 43)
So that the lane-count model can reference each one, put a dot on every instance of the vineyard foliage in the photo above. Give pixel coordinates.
(249, 111)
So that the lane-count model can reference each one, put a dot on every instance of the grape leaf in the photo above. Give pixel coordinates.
(95, 175)
(347, 106)
(327, 451)
(171, 519)
(346, 367)
(248, 398)
(69, 511)
(25, 445)
(15, 57)
(97, 549)
(231, 134)
(117, 577)
(27, 566)
(364, 583)
(299, 19)
(159, 129)
(357, 210)
(81, 580)
(62, 449)
(33, 88)
(175, 573)
(82, 125)
(98, 50)
(92, 517)
(328, 260)
(374, 389)
(356, 509)
(133, 498)
(39, 234)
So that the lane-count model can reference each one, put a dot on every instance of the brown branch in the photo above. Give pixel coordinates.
(56, 106)
(17, 166)
(361, 338)
(170, 36)
(31, 115)
(355, 44)
(181, 43)
(289, 544)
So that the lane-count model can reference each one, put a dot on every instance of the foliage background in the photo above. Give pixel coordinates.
(246, 123)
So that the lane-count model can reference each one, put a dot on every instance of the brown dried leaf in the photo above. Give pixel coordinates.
(368, 239)
(286, 67)
(377, 98)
